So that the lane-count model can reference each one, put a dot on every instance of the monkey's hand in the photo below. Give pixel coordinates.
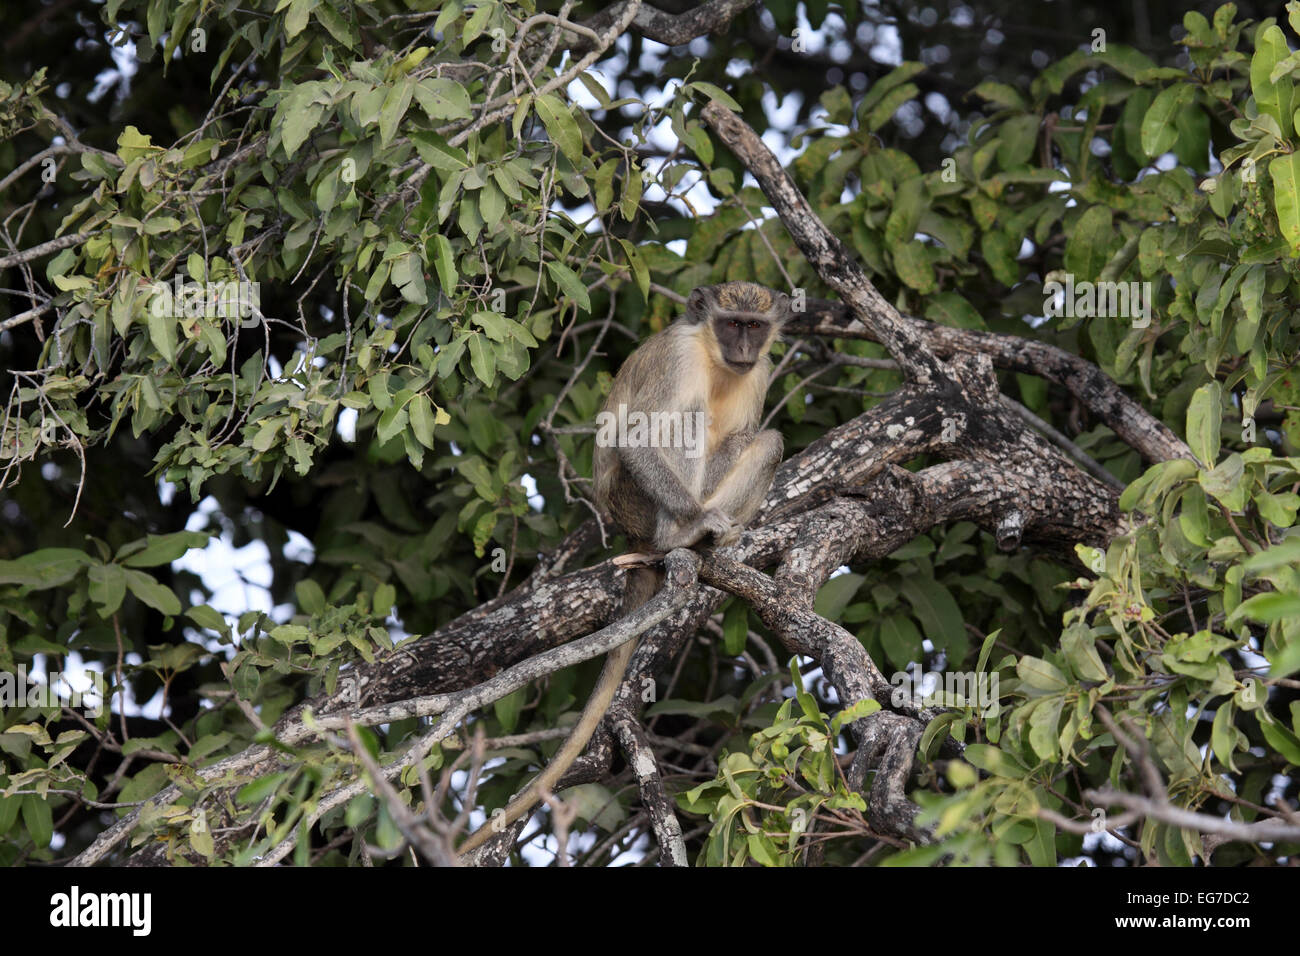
(717, 523)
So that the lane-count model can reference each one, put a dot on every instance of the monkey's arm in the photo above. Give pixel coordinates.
(660, 481)
(610, 677)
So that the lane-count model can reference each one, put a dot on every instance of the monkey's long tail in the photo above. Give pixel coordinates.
(642, 584)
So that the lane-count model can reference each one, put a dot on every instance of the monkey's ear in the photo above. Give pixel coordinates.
(699, 304)
(781, 309)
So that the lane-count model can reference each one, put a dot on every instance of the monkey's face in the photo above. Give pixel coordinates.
(744, 318)
(743, 338)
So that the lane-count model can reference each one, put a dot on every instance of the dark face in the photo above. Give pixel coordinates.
(743, 336)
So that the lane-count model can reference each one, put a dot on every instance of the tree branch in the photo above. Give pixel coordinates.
(825, 252)
(1082, 379)
(44, 249)
(671, 29)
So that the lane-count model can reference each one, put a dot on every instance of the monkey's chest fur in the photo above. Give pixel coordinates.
(734, 403)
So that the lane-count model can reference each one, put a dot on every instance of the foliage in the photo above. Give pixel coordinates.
(765, 800)
(433, 206)
(1195, 614)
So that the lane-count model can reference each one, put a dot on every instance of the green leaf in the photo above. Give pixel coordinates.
(735, 628)
(1080, 650)
(107, 587)
(954, 311)
(208, 617)
(999, 251)
(445, 264)
(391, 423)
(913, 266)
(900, 639)
(201, 837)
(939, 615)
(892, 80)
(442, 99)
(860, 709)
(161, 548)
(482, 359)
(38, 819)
(1160, 125)
(310, 597)
(889, 105)
(46, 568)
(295, 21)
(290, 634)
(1266, 608)
(1128, 134)
(339, 26)
(1224, 482)
(909, 201)
(148, 590)
(569, 284)
(162, 332)
(1204, 418)
(1271, 98)
(1194, 516)
(992, 760)
(835, 595)
(508, 709)
(298, 116)
(9, 810)
(639, 270)
(1285, 554)
(438, 153)
(999, 94)
(1285, 171)
(1279, 738)
(421, 412)
(560, 126)
(1192, 146)
(1017, 137)
(396, 102)
(1040, 674)
(1223, 735)
(717, 93)
(1089, 242)
(597, 805)
(477, 21)
(260, 789)
(493, 324)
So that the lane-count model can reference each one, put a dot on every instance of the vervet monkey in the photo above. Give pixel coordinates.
(679, 458)
(691, 462)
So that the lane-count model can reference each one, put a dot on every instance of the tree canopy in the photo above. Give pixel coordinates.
(345, 284)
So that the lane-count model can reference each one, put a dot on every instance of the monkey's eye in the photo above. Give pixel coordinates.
(755, 325)
(733, 324)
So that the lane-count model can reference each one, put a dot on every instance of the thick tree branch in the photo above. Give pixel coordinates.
(1081, 378)
(654, 798)
(825, 252)
(671, 29)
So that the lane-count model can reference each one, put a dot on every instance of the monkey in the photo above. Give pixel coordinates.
(679, 458)
(664, 486)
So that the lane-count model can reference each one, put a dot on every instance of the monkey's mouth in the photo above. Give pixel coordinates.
(740, 368)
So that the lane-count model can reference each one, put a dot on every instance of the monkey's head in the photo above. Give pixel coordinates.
(744, 319)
